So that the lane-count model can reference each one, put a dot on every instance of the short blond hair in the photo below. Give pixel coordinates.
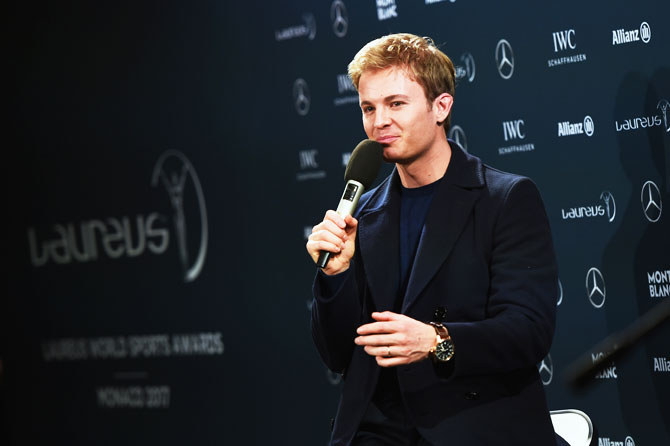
(424, 62)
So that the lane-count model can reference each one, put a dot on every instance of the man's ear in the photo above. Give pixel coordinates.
(442, 107)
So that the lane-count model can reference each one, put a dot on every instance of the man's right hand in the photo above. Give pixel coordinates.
(336, 235)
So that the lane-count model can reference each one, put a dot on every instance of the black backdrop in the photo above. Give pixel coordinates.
(166, 160)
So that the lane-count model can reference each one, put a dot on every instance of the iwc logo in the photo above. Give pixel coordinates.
(652, 206)
(595, 287)
(457, 134)
(339, 18)
(546, 370)
(174, 171)
(504, 59)
(301, 97)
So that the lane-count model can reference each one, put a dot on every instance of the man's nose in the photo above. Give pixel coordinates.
(382, 117)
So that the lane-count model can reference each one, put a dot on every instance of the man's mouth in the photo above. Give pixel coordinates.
(388, 139)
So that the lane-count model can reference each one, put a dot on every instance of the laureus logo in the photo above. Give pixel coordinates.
(174, 171)
(663, 106)
(467, 68)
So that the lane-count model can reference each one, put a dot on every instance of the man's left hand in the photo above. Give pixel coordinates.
(395, 339)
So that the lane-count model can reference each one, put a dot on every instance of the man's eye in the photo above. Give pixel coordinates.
(396, 104)
(367, 109)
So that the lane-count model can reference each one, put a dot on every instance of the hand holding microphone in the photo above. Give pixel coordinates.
(334, 238)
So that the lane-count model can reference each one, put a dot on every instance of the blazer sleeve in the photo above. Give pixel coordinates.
(521, 308)
(336, 314)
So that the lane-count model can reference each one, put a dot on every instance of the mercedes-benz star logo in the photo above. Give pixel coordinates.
(652, 206)
(595, 287)
(610, 204)
(458, 135)
(664, 106)
(301, 96)
(589, 127)
(546, 370)
(504, 59)
(338, 15)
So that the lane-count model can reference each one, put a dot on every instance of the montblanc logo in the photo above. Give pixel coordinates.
(309, 167)
(609, 371)
(661, 364)
(116, 238)
(174, 171)
(595, 287)
(606, 209)
(386, 9)
(546, 370)
(565, 41)
(567, 128)
(305, 29)
(606, 441)
(621, 36)
(650, 197)
(346, 90)
(659, 283)
(457, 134)
(301, 97)
(339, 18)
(466, 70)
(513, 131)
(504, 59)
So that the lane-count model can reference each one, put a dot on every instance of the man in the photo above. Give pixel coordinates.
(439, 297)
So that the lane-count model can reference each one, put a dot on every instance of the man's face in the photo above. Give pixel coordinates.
(397, 114)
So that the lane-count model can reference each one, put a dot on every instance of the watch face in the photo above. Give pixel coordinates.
(444, 351)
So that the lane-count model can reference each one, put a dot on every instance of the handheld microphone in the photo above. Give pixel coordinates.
(362, 169)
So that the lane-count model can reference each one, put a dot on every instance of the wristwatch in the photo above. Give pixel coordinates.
(444, 350)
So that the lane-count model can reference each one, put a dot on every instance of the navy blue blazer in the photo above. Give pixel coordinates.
(484, 266)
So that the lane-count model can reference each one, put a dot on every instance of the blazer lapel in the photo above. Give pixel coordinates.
(378, 241)
(449, 212)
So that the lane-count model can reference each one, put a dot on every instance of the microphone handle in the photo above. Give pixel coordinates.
(352, 193)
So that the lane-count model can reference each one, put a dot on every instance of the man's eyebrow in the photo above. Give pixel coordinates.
(387, 99)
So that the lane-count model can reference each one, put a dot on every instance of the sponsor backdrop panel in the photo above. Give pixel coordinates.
(168, 163)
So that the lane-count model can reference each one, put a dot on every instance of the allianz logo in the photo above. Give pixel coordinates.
(621, 36)
(567, 128)
(606, 441)
(88, 240)
(606, 209)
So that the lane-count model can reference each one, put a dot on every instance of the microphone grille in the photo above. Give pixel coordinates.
(364, 163)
